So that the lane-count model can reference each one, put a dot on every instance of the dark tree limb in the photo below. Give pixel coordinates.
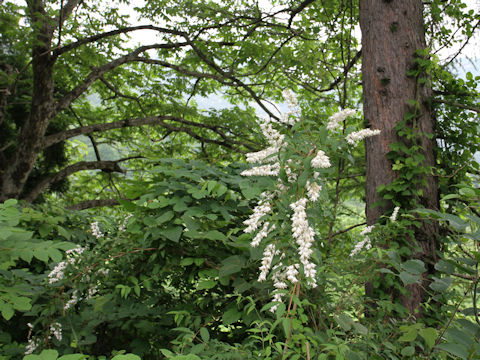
(456, 104)
(88, 204)
(101, 36)
(69, 170)
(96, 73)
(150, 120)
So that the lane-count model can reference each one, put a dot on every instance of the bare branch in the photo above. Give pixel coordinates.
(461, 106)
(96, 73)
(62, 174)
(299, 9)
(101, 36)
(150, 120)
(88, 204)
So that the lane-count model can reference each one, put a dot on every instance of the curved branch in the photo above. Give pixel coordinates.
(88, 204)
(461, 106)
(96, 73)
(149, 120)
(108, 166)
(124, 30)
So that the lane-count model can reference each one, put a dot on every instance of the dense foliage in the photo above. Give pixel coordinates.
(135, 232)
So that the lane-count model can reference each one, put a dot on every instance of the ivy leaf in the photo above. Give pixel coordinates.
(414, 266)
(408, 278)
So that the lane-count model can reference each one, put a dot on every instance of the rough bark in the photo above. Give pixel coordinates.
(391, 32)
(14, 174)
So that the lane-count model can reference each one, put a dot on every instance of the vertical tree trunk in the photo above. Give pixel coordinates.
(15, 171)
(391, 32)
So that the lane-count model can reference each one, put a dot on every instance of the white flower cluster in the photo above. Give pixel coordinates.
(365, 243)
(313, 190)
(253, 222)
(267, 259)
(56, 331)
(290, 98)
(304, 236)
(73, 300)
(263, 170)
(320, 160)
(335, 120)
(279, 277)
(263, 233)
(122, 226)
(96, 230)
(32, 344)
(356, 136)
(58, 271)
(266, 156)
(393, 218)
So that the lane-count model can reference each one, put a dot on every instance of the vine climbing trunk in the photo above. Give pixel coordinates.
(392, 31)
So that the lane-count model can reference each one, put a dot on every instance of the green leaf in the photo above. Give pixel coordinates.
(73, 357)
(206, 284)
(7, 311)
(230, 316)
(429, 335)
(359, 328)
(408, 351)
(166, 216)
(127, 357)
(215, 235)
(205, 334)
(286, 325)
(48, 355)
(444, 267)
(454, 349)
(409, 335)
(173, 233)
(232, 265)
(441, 284)
(408, 278)
(22, 303)
(344, 321)
(414, 266)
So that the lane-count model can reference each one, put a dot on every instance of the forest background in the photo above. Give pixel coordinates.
(205, 192)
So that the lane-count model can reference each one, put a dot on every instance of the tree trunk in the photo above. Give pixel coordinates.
(392, 31)
(15, 172)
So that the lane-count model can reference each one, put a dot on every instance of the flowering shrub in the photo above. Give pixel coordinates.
(299, 173)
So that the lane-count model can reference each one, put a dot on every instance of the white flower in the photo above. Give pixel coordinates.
(263, 170)
(321, 160)
(267, 259)
(73, 300)
(313, 191)
(393, 218)
(365, 243)
(33, 343)
(96, 230)
(253, 222)
(304, 236)
(335, 120)
(259, 156)
(367, 230)
(290, 98)
(354, 137)
(292, 272)
(123, 226)
(57, 273)
(56, 330)
(262, 234)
